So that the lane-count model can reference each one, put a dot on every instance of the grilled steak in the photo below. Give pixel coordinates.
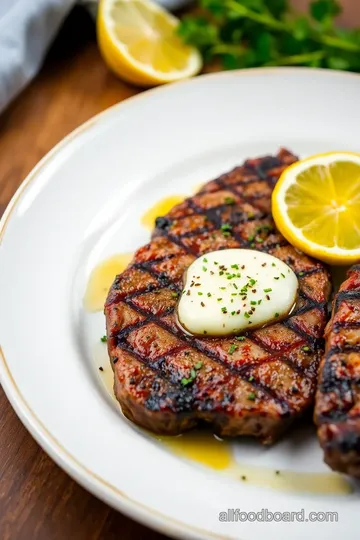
(252, 387)
(337, 411)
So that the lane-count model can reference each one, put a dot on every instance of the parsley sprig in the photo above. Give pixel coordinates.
(251, 33)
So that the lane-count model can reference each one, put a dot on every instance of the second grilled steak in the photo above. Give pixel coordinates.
(337, 411)
(255, 386)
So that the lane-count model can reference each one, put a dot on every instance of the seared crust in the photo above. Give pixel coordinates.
(337, 411)
(269, 379)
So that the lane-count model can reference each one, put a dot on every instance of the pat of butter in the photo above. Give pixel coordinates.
(233, 290)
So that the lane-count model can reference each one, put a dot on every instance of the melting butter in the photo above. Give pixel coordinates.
(206, 449)
(101, 279)
(202, 447)
(217, 454)
(233, 290)
(161, 208)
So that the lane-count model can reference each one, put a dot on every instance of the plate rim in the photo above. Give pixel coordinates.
(89, 480)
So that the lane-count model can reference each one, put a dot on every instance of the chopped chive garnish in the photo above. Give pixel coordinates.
(229, 200)
(267, 290)
(103, 339)
(251, 396)
(233, 348)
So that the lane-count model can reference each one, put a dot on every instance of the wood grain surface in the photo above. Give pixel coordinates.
(38, 501)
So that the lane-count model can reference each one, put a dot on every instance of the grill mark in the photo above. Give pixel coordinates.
(279, 355)
(335, 416)
(346, 295)
(286, 409)
(216, 220)
(338, 325)
(315, 343)
(346, 348)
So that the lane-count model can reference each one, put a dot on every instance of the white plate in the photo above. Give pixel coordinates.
(84, 202)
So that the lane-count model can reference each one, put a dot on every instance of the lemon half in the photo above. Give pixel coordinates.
(138, 41)
(316, 206)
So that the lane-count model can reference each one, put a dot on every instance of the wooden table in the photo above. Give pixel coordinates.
(38, 501)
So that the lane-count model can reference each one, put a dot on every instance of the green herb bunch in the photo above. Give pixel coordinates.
(252, 33)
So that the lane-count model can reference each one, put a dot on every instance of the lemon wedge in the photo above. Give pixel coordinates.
(316, 206)
(138, 41)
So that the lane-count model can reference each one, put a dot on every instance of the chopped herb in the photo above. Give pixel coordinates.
(184, 381)
(204, 269)
(233, 348)
(198, 365)
(283, 275)
(233, 312)
(253, 303)
(251, 378)
(273, 264)
(240, 338)
(103, 339)
(236, 266)
(267, 290)
(306, 348)
(219, 299)
(175, 294)
(205, 260)
(229, 200)
(259, 302)
(246, 315)
(251, 396)
(200, 293)
(209, 294)
(301, 273)
(277, 315)
(224, 310)
(226, 229)
(243, 477)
